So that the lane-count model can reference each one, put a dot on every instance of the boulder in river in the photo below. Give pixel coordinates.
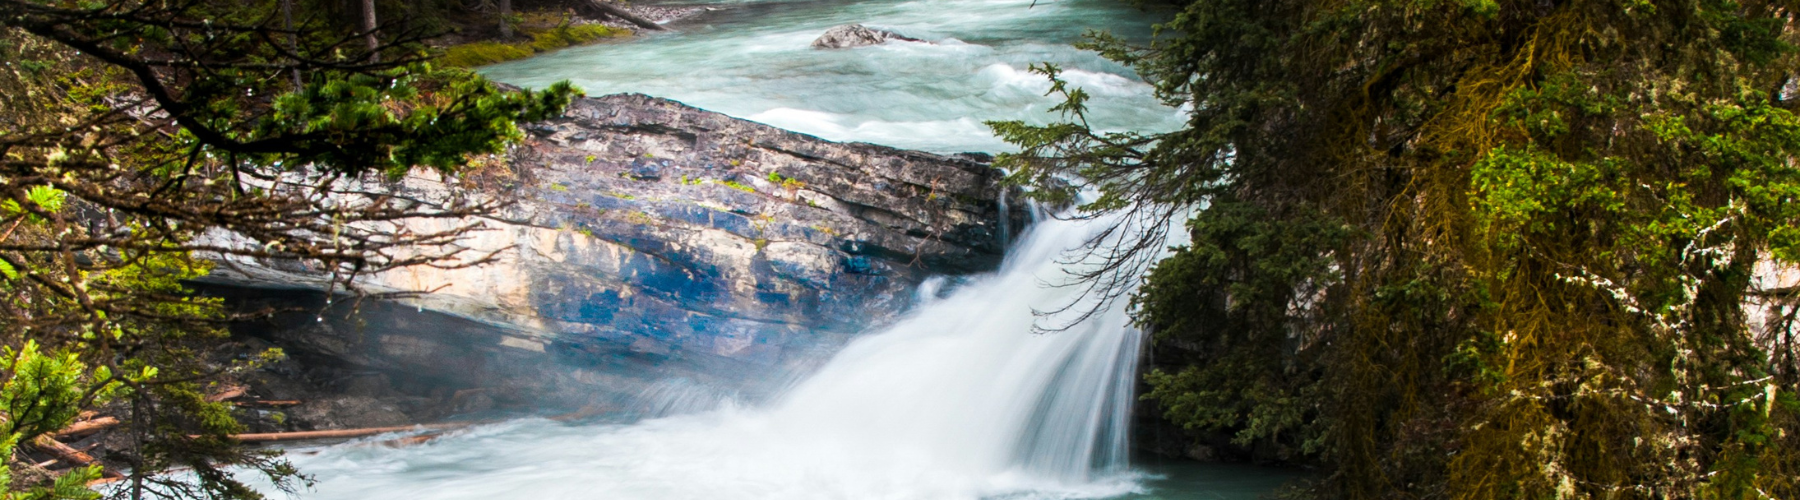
(857, 35)
(650, 241)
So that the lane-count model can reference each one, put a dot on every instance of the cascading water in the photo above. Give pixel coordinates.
(960, 399)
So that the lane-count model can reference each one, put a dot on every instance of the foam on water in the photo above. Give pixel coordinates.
(753, 60)
(959, 400)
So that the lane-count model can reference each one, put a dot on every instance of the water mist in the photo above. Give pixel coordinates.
(960, 399)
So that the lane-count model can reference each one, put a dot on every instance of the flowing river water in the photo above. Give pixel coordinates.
(958, 400)
(753, 60)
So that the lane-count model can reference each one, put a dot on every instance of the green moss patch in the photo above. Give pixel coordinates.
(483, 53)
(470, 55)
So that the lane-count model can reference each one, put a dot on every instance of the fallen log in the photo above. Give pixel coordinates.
(340, 433)
(122, 477)
(627, 16)
(270, 402)
(86, 427)
(230, 392)
(68, 454)
(410, 440)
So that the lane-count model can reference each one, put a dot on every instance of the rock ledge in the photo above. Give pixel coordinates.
(650, 241)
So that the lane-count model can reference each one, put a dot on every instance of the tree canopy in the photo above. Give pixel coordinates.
(1470, 248)
(141, 137)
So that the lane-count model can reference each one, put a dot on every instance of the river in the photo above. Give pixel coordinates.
(960, 399)
(753, 60)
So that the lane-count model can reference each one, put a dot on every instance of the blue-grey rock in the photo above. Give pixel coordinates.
(649, 240)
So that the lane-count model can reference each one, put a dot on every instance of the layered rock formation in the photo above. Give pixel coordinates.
(651, 241)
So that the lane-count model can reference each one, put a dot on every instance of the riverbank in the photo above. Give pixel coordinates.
(544, 31)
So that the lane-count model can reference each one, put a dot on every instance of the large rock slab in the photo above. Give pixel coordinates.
(655, 239)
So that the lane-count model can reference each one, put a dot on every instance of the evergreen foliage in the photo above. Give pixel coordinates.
(1470, 249)
(137, 140)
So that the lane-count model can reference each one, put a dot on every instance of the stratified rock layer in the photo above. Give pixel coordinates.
(651, 240)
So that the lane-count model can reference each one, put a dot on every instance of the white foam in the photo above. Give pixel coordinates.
(960, 400)
(962, 134)
(1096, 83)
(896, 94)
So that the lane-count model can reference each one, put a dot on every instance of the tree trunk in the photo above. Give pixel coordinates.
(368, 27)
(615, 11)
(293, 40)
(506, 19)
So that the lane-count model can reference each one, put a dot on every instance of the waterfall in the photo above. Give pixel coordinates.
(1005, 220)
(965, 382)
(960, 399)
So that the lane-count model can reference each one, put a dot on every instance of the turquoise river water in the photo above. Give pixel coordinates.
(959, 400)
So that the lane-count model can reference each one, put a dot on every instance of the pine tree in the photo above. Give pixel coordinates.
(1469, 248)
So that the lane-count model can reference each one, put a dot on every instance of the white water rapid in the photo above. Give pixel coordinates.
(752, 59)
(958, 400)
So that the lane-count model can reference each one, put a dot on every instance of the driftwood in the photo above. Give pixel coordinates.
(269, 402)
(230, 392)
(615, 11)
(340, 433)
(410, 440)
(86, 427)
(69, 455)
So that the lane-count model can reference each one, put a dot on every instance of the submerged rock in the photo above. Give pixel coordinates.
(650, 240)
(856, 35)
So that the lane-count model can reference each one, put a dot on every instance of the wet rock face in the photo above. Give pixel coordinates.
(683, 229)
(856, 35)
(649, 233)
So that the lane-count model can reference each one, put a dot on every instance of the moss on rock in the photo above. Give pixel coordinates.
(560, 36)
